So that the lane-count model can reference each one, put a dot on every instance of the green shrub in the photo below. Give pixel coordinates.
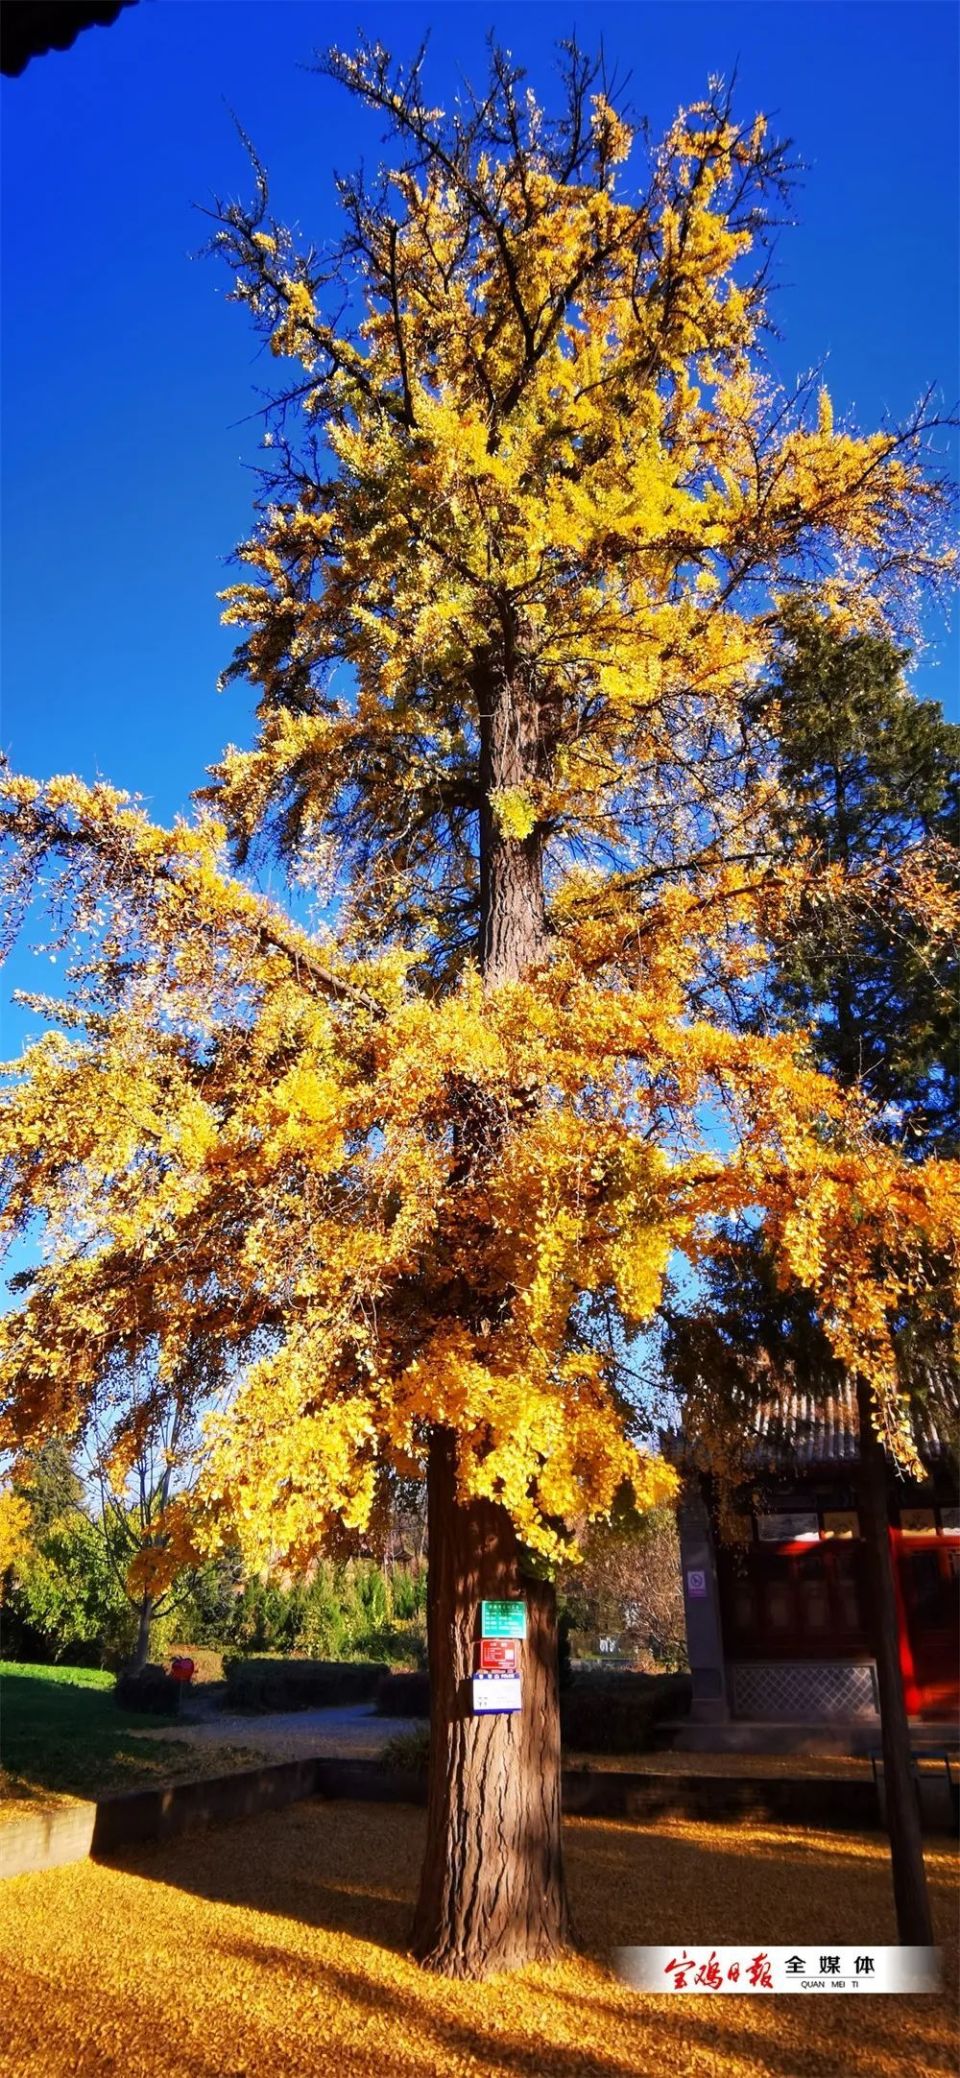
(408, 1588)
(207, 1600)
(356, 1610)
(618, 1713)
(66, 1602)
(408, 1751)
(269, 1617)
(153, 1690)
(346, 1610)
(400, 1645)
(325, 1633)
(299, 1684)
(370, 1603)
(599, 1713)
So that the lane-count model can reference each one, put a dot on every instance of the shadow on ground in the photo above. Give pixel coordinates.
(277, 1946)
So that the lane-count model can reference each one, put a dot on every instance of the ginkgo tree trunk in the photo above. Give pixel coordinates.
(409, 1183)
(492, 1890)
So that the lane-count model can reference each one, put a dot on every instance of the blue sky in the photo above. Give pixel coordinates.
(129, 380)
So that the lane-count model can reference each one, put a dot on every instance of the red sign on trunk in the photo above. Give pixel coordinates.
(498, 1656)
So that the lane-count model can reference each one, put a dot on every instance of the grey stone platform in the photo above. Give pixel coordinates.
(743, 1735)
(105, 1829)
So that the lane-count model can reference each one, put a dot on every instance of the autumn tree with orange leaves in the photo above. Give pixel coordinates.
(530, 514)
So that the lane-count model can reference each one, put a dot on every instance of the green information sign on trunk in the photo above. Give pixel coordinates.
(503, 1619)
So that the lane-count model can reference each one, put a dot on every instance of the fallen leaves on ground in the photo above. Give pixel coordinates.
(762, 1765)
(19, 1799)
(275, 1949)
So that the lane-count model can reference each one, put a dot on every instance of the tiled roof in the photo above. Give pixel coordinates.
(800, 1429)
(808, 1429)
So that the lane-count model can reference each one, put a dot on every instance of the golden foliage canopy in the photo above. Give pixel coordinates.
(539, 432)
(352, 1177)
(251, 1154)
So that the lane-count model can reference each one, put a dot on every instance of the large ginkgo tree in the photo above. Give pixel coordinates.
(398, 1192)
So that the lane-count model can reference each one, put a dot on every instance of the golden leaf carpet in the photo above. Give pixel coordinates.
(275, 1949)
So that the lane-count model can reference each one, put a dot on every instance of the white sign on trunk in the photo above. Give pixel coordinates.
(495, 1692)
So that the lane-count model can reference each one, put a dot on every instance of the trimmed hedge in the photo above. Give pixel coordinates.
(404, 1695)
(152, 1690)
(619, 1713)
(599, 1713)
(408, 1751)
(293, 1684)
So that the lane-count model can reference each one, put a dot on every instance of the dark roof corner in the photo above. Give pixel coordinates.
(31, 28)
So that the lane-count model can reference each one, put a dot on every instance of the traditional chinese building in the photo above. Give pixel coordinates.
(778, 1608)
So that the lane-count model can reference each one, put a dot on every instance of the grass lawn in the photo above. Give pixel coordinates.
(61, 1734)
(275, 1949)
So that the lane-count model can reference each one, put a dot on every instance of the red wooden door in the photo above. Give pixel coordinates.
(928, 1570)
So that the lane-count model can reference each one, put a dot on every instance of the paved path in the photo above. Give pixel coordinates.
(355, 1732)
(350, 1732)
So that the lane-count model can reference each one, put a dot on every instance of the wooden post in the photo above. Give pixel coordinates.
(914, 1921)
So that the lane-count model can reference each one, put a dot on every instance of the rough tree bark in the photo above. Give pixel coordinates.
(914, 1922)
(492, 1893)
